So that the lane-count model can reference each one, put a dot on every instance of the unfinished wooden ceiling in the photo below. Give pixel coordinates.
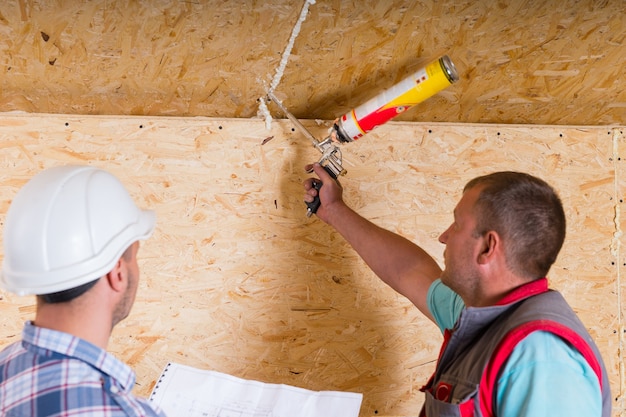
(520, 61)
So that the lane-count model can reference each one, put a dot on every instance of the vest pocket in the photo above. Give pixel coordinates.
(442, 400)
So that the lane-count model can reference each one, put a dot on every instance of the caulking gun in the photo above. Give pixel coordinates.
(412, 90)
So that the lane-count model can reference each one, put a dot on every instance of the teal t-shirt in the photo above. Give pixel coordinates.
(544, 376)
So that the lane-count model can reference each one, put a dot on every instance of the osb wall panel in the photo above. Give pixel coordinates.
(237, 279)
(532, 61)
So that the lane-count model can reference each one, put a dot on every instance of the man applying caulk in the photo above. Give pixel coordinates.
(512, 347)
(71, 238)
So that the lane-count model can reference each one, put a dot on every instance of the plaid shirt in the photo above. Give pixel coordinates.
(50, 373)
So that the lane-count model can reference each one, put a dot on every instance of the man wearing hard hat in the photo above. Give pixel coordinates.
(71, 237)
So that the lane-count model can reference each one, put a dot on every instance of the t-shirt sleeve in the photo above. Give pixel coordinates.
(545, 376)
(444, 304)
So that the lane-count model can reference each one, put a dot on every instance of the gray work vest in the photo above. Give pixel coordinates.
(475, 351)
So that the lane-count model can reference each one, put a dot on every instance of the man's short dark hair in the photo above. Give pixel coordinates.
(528, 215)
(67, 295)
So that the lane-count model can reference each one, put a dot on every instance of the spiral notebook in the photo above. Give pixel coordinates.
(185, 391)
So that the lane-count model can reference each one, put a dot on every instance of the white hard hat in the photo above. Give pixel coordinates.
(66, 227)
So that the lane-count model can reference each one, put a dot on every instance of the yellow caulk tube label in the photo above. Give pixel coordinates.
(390, 103)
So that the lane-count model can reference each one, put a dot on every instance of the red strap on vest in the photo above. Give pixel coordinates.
(507, 344)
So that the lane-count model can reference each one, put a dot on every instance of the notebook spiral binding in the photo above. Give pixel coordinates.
(158, 383)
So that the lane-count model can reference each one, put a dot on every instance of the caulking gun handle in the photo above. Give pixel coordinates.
(315, 204)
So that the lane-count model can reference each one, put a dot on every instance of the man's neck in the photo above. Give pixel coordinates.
(89, 323)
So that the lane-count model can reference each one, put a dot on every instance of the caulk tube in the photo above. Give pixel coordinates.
(385, 106)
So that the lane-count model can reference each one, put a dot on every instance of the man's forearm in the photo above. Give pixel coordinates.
(401, 264)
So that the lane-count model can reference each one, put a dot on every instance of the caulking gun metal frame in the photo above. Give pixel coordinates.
(331, 153)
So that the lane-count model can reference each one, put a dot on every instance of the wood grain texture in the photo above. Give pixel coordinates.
(533, 61)
(238, 280)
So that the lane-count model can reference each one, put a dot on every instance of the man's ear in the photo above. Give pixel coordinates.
(117, 277)
(490, 244)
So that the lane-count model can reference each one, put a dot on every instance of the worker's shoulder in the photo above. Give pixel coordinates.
(10, 353)
(544, 347)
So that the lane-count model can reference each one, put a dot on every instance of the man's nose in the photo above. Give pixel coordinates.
(443, 238)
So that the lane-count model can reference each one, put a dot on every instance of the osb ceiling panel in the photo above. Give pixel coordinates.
(520, 61)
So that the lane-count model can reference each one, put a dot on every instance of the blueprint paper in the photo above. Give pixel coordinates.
(184, 391)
